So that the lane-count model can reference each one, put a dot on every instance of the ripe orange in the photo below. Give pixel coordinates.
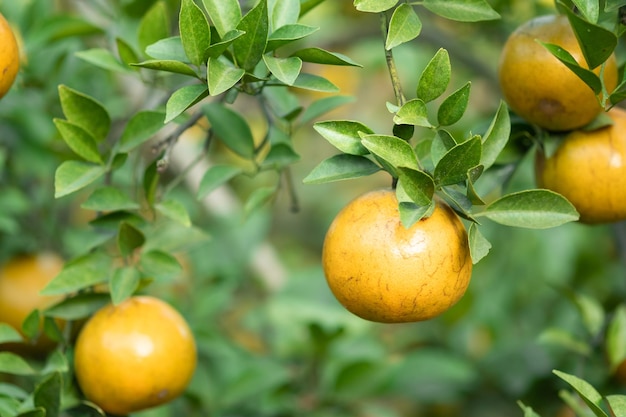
(21, 280)
(136, 355)
(541, 89)
(384, 272)
(589, 169)
(9, 57)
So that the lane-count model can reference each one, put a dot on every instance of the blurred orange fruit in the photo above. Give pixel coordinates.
(9, 56)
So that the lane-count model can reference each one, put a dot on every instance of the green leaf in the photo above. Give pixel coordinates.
(612, 5)
(394, 150)
(231, 128)
(86, 112)
(282, 102)
(279, 156)
(478, 244)
(124, 283)
(167, 49)
(586, 391)
(35, 412)
(194, 32)
(435, 78)
(79, 141)
(528, 411)
(454, 106)
(496, 137)
(285, 69)
(462, 10)
(589, 9)
(312, 82)
(284, 12)
(534, 209)
(258, 198)
(79, 306)
(616, 338)
(322, 106)
(79, 273)
(9, 334)
(109, 199)
(104, 59)
(225, 14)
(129, 238)
(47, 394)
(248, 49)
(175, 210)
(454, 165)
(417, 185)
(10, 363)
(587, 76)
(341, 167)
(126, 52)
(154, 25)
(405, 25)
(222, 76)
(320, 56)
(159, 264)
(216, 176)
(596, 42)
(56, 362)
(182, 99)
(32, 324)
(165, 65)
(141, 127)
(564, 339)
(218, 48)
(344, 135)
(591, 312)
(413, 112)
(617, 404)
(411, 213)
(287, 34)
(374, 6)
(72, 176)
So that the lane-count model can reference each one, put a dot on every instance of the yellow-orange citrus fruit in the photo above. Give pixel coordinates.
(21, 280)
(136, 355)
(9, 57)
(384, 272)
(541, 89)
(589, 169)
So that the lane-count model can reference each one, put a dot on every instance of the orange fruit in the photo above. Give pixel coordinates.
(541, 89)
(589, 169)
(9, 56)
(136, 355)
(21, 280)
(384, 272)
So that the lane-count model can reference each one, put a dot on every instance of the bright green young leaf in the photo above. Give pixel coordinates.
(322, 106)
(534, 209)
(231, 128)
(435, 78)
(462, 10)
(612, 5)
(413, 112)
(528, 411)
(405, 25)
(586, 391)
(341, 167)
(312, 82)
(109, 199)
(478, 244)
(248, 49)
(496, 137)
(283, 12)
(589, 9)
(79, 141)
(167, 49)
(182, 99)
(194, 32)
(454, 106)
(225, 14)
(154, 25)
(616, 338)
(417, 185)
(222, 75)
(104, 59)
(78, 306)
(80, 273)
(374, 6)
(124, 283)
(344, 135)
(126, 52)
(159, 265)
(287, 34)
(175, 210)
(258, 198)
(596, 42)
(320, 56)
(216, 176)
(587, 76)
(442, 142)
(47, 394)
(9, 334)
(411, 213)
(72, 176)
(129, 238)
(218, 48)
(285, 69)
(592, 313)
(564, 339)
(141, 127)
(280, 155)
(86, 112)
(454, 165)
(394, 150)
(10, 363)
(175, 67)
(617, 404)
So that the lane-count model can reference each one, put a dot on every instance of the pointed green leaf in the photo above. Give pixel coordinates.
(441, 144)
(587, 76)
(182, 99)
(10, 363)
(411, 213)
(175, 210)
(405, 25)
(616, 338)
(320, 56)
(79, 306)
(9, 334)
(124, 283)
(612, 5)
(394, 150)
(454, 106)
(285, 69)
(417, 185)
(194, 32)
(249, 48)
(341, 167)
(591, 312)
(312, 82)
(216, 176)
(86, 112)
(258, 198)
(154, 25)
(79, 141)
(564, 339)
(287, 34)
(176, 67)
(586, 391)
(231, 128)
(435, 78)
(462, 10)
(344, 135)
(528, 411)
(225, 14)
(126, 52)
(109, 199)
(596, 42)
(374, 6)
(497, 136)
(322, 106)
(617, 404)
(159, 264)
(72, 176)
(141, 127)
(222, 76)
(413, 112)
(167, 49)
(218, 48)
(129, 238)
(80, 273)
(47, 394)
(478, 244)
(104, 59)
(454, 165)
(284, 12)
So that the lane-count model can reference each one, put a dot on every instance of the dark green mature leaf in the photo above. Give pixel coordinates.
(417, 185)
(454, 106)
(231, 128)
(394, 150)
(320, 56)
(496, 137)
(287, 34)
(462, 10)
(534, 209)
(344, 135)
(478, 244)
(218, 48)
(103, 58)
(249, 48)
(182, 99)
(167, 49)
(154, 25)
(86, 112)
(442, 142)
(35, 412)
(285, 69)
(435, 78)
(283, 102)
(141, 127)
(374, 6)
(9, 334)
(222, 76)
(109, 199)
(315, 83)
(216, 176)
(341, 167)
(47, 394)
(79, 273)
(194, 32)
(454, 165)
(225, 14)
(78, 306)
(587, 76)
(175, 210)
(129, 238)
(616, 338)
(176, 67)
(587, 392)
(124, 283)
(72, 176)
(79, 141)
(596, 42)
(280, 155)
(10, 363)
(411, 213)
(405, 25)
(413, 112)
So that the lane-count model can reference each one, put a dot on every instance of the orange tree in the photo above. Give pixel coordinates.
(158, 146)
